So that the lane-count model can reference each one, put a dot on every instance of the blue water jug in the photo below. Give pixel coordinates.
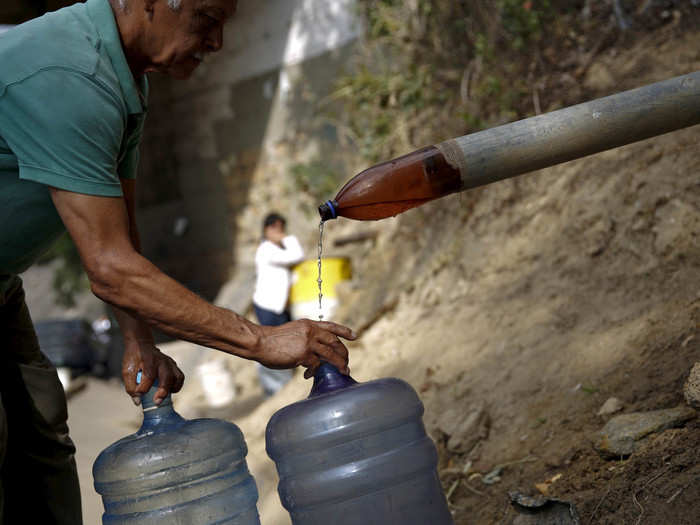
(356, 454)
(176, 471)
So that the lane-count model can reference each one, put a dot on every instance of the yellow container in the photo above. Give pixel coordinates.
(305, 274)
(303, 294)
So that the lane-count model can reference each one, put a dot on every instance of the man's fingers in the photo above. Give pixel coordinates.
(335, 344)
(130, 367)
(129, 373)
(179, 378)
(129, 378)
(149, 373)
(337, 329)
(166, 379)
(312, 367)
(170, 378)
(147, 379)
(161, 394)
(153, 365)
(327, 354)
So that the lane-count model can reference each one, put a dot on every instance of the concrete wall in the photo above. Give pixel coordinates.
(249, 112)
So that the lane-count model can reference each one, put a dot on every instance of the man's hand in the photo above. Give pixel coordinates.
(304, 343)
(144, 356)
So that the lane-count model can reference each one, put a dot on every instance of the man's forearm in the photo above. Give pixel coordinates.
(133, 329)
(139, 288)
(107, 241)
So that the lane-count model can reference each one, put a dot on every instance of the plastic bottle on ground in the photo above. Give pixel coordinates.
(176, 471)
(356, 454)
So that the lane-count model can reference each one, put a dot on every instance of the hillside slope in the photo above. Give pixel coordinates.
(530, 302)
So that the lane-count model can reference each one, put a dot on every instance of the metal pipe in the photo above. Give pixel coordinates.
(576, 131)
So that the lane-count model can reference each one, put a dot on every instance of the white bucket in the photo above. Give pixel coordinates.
(217, 383)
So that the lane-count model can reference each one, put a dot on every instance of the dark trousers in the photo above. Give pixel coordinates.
(269, 318)
(39, 480)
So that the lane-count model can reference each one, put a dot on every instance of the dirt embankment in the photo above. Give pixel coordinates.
(523, 306)
(518, 309)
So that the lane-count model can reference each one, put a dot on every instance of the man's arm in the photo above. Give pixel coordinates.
(122, 277)
(140, 352)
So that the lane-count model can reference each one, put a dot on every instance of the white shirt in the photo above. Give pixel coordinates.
(274, 278)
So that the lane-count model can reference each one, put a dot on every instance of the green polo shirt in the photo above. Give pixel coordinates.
(71, 116)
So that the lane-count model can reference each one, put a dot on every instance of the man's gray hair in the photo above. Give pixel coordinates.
(173, 4)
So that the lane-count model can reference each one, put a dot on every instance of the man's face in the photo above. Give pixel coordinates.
(180, 39)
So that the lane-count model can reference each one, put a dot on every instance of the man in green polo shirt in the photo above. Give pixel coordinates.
(73, 98)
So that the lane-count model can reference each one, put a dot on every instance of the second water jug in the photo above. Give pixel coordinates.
(356, 454)
(177, 472)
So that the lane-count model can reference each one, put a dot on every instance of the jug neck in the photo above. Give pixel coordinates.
(162, 415)
(328, 379)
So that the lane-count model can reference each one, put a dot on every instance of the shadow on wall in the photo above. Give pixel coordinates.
(188, 200)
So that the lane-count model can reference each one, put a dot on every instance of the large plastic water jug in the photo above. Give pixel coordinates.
(356, 454)
(176, 471)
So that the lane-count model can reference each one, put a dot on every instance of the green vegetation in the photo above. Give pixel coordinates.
(428, 70)
(316, 178)
(589, 389)
(524, 21)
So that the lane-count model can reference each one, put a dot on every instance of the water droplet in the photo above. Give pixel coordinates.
(319, 280)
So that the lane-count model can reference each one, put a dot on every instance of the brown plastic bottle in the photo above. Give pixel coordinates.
(392, 187)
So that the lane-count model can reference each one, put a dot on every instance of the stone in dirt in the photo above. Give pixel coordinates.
(691, 389)
(611, 406)
(539, 510)
(464, 427)
(620, 436)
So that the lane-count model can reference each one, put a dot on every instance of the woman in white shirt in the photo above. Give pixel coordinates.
(277, 253)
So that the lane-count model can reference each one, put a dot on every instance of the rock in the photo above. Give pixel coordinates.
(539, 510)
(611, 406)
(598, 235)
(599, 77)
(464, 427)
(674, 223)
(691, 389)
(620, 436)
(494, 476)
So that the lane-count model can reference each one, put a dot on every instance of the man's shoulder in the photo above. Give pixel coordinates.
(64, 39)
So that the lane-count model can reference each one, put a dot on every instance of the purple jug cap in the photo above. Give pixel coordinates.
(328, 379)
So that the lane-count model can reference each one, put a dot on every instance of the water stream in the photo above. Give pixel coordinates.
(319, 280)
